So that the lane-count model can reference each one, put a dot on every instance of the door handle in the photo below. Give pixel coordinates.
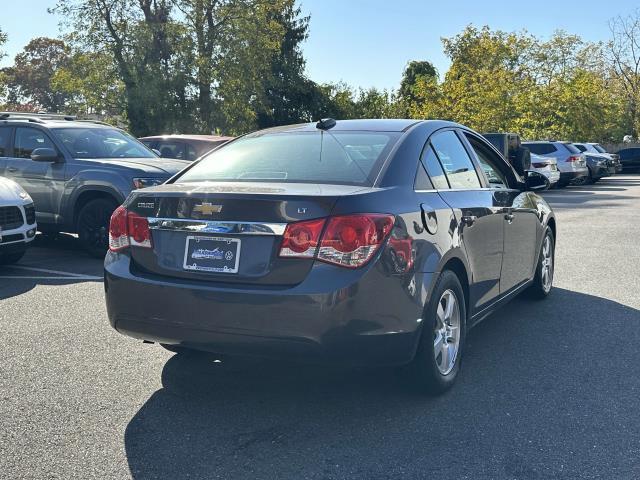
(509, 217)
(468, 220)
(12, 169)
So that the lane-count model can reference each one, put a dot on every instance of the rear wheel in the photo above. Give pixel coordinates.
(543, 280)
(11, 258)
(93, 226)
(439, 354)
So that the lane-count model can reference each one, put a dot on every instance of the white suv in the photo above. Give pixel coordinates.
(17, 221)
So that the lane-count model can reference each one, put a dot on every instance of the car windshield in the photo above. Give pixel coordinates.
(101, 143)
(349, 158)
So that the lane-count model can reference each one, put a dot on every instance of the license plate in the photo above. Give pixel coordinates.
(212, 254)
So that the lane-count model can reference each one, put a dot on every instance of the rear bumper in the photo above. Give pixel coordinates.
(342, 316)
(567, 177)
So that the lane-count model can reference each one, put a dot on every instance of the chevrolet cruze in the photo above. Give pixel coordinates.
(362, 242)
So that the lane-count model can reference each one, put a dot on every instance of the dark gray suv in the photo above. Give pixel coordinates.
(359, 241)
(77, 172)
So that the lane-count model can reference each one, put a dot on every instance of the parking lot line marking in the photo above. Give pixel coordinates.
(28, 277)
(56, 272)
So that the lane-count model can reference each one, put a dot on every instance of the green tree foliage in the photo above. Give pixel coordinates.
(28, 81)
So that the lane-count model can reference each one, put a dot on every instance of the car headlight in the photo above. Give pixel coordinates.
(147, 182)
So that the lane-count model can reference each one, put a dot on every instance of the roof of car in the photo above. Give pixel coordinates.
(200, 138)
(362, 125)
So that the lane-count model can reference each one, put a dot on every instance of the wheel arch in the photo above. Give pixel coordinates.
(89, 194)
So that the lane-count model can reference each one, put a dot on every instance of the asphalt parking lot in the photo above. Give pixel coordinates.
(548, 390)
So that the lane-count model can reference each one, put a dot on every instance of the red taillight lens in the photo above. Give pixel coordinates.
(118, 238)
(126, 229)
(301, 239)
(574, 158)
(352, 240)
(139, 234)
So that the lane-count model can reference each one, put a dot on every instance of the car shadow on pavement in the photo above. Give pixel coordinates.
(548, 390)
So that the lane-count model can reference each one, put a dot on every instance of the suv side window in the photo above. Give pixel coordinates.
(191, 152)
(28, 139)
(434, 169)
(455, 161)
(489, 163)
(5, 133)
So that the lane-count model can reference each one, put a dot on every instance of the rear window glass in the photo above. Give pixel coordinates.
(599, 149)
(571, 148)
(540, 148)
(582, 148)
(350, 158)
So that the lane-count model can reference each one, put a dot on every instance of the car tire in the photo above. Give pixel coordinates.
(11, 258)
(93, 226)
(442, 334)
(543, 279)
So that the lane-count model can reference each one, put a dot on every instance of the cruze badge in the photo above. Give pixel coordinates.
(207, 208)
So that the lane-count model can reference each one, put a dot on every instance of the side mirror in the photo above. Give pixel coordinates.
(536, 182)
(44, 155)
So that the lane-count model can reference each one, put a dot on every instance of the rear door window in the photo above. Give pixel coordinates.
(434, 169)
(5, 135)
(455, 161)
(29, 139)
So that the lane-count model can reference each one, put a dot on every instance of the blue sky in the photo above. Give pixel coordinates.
(368, 42)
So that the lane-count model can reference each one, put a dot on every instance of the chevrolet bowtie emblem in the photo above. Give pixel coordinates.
(206, 208)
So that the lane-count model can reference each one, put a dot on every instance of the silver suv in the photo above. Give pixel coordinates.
(77, 172)
(571, 161)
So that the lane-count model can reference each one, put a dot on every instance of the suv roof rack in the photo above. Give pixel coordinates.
(40, 117)
(36, 117)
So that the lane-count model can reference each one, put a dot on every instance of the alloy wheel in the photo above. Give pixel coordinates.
(446, 335)
(547, 264)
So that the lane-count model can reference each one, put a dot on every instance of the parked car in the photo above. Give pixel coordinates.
(510, 146)
(77, 172)
(571, 162)
(381, 242)
(630, 159)
(614, 156)
(547, 166)
(612, 160)
(184, 147)
(17, 219)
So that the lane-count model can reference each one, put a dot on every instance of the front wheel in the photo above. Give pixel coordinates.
(543, 280)
(93, 226)
(439, 354)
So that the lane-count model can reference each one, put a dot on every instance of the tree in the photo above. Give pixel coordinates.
(3, 40)
(413, 73)
(624, 54)
(29, 79)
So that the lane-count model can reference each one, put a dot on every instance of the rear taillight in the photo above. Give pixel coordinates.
(574, 158)
(127, 229)
(301, 239)
(118, 238)
(139, 234)
(348, 240)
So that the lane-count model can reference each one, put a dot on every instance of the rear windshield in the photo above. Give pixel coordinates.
(599, 149)
(101, 143)
(571, 148)
(350, 158)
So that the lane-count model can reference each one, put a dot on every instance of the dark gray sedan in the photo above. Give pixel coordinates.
(363, 242)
